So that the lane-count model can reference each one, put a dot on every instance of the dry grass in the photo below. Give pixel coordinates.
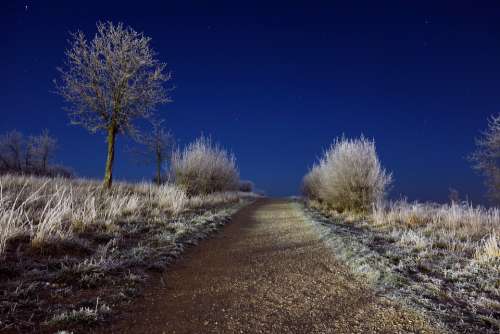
(443, 259)
(63, 241)
(458, 227)
(489, 251)
(52, 209)
(11, 218)
(84, 315)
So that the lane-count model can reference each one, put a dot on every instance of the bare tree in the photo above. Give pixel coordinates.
(110, 82)
(42, 147)
(486, 158)
(159, 144)
(31, 155)
(11, 151)
(454, 196)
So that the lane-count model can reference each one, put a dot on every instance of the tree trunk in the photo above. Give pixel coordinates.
(158, 170)
(108, 173)
(44, 162)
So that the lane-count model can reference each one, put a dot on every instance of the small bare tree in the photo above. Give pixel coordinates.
(29, 155)
(159, 144)
(486, 158)
(110, 82)
(42, 147)
(454, 196)
(11, 151)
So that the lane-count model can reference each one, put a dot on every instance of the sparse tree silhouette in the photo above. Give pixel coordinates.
(19, 155)
(11, 151)
(454, 196)
(246, 186)
(159, 144)
(43, 148)
(110, 82)
(486, 158)
(29, 153)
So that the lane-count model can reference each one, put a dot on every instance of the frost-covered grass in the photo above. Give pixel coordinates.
(468, 231)
(84, 315)
(63, 241)
(48, 210)
(442, 259)
(11, 222)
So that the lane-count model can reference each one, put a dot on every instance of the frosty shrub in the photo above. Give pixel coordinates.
(486, 157)
(311, 183)
(204, 167)
(246, 186)
(349, 177)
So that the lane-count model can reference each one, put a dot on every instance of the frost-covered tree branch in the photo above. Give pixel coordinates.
(111, 81)
(486, 158)
(159, 145)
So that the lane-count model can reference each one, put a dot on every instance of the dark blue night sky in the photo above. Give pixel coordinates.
(276, 82)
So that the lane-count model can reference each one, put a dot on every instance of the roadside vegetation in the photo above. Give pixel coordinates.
(111, 83)
(349, 176)
(204, 167)
(69, 249)
(485, 158)
(73, 251)
(443, 259)
(32, 155)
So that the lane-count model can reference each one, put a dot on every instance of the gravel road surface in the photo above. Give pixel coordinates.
(266, 272)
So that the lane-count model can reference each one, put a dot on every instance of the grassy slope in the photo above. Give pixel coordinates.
(448, 279)
(72, 254)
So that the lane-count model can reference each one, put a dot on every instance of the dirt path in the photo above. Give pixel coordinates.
(267, 272)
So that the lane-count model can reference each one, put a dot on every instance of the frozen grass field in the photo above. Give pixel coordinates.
(71, 252)
(441, 259)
